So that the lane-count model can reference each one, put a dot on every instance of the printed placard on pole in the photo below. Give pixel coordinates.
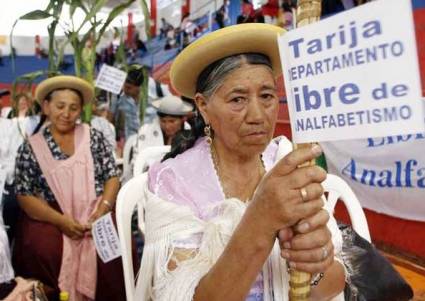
(354, 75)
(110, 79)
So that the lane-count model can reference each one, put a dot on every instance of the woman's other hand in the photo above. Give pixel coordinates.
(72, 228)
(100, 211)
(311, 249)
(279, 202)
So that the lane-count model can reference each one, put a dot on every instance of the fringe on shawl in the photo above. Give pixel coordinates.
(6, 270)
(167, 222)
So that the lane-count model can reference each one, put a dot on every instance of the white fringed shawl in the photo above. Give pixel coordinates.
(6, 270)
(167, 222)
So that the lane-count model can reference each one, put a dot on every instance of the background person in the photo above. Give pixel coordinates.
(125, 108)
(100, 122)
(171, 118)
(14, 131)
(65, 179)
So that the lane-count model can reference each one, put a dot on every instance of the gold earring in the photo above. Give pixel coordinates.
(207, 132)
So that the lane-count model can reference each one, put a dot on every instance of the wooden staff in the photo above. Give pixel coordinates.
(308, 11)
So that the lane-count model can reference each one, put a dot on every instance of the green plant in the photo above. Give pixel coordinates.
(147, 16)
(144, 89)
(84, 57)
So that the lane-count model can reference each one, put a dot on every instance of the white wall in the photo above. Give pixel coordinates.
(171, 10)
(26, 30)
(199, 8)
(25, 45)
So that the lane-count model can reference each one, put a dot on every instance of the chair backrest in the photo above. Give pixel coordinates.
(149, 155)
(128, 197)
(127, 172)
(338, 189)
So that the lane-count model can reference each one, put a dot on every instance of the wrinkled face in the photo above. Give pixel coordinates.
(63, 110)
(170, 125)
(131, 90)
(243, 110)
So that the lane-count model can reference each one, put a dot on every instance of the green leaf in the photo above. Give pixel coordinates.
(93, 11)
(74, 4)
(143, 96)
(112, 15)
(61, 52)
(26, 80)
(12, 53)
(51, 29)
(120, 55)
(31, 76)
(57, 9)
(36, 15)
(146, 14)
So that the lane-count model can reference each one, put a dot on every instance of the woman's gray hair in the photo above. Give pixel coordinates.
(212, 77)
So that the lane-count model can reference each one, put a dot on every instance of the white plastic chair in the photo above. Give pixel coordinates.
(127, 172)
(147, 156)
(339, 189)
(128, 197)
(131, 193)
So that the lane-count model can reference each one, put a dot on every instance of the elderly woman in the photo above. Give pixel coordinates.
(226, 217)
(65, 179)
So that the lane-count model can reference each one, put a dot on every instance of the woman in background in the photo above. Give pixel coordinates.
(65, 179)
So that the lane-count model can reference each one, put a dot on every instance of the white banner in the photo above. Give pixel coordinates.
(354, 75)
(387, 174)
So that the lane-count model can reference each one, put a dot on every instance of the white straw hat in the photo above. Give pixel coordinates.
(172, 105)
(231, 40)
(63, 82)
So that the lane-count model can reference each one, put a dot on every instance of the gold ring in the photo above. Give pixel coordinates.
(304, 195)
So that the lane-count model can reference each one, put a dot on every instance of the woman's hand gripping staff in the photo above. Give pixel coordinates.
(291, 201)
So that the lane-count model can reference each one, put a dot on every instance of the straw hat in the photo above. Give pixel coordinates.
(63, 82)
(236, 39)
(172, 105)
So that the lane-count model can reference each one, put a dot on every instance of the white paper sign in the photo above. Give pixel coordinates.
(105, 238)
(354, 75)
(110, 79)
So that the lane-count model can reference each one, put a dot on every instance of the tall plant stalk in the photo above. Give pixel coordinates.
(144, 89)
(83, 68)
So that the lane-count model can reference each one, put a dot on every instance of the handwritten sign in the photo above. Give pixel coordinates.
(110, 79)
(354, 75)
(105, 238)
